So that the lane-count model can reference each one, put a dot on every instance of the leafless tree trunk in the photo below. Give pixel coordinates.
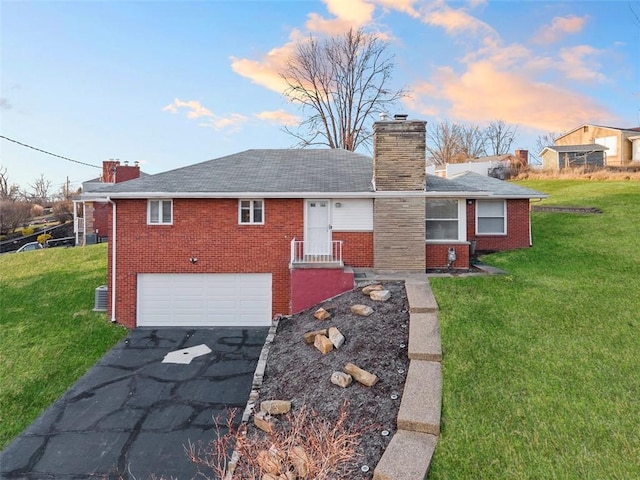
(40, 190)
(7, 191)
(454, 143)
(500, 136)
(472, 141)
(340, 84)
(444, 143)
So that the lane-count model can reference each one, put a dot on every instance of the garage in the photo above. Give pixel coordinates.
(204, 300)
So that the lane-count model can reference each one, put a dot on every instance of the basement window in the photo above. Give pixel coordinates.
(159, 212)
(251, 212)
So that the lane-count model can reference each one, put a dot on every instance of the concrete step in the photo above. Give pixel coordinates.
(407, 457)
(424, 337)
(420, 296)
(421, 404)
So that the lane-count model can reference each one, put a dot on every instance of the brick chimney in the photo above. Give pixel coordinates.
(399, 165)
(109, 170)
(523, 157)
(127, 172)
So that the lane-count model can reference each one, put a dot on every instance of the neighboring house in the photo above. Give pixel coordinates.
(90, 218)
(242, 238)
(622, 145)
(573, 156)
(497, 166)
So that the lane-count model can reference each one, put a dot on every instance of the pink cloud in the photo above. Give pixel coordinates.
(194, 108)
(279, 117)
(559, 28)
(484, 93)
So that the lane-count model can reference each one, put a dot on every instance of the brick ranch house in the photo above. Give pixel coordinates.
(239, 239)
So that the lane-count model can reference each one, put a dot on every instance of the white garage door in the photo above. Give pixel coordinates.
(221, 299)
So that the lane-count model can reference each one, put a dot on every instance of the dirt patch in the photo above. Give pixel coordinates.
(299, 372)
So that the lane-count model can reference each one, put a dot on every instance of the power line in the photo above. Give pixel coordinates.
(48, 153)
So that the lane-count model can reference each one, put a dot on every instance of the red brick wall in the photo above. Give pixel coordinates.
(437, 255)
(357, 249)
(207, 229)
(101, 219)
(517, 228)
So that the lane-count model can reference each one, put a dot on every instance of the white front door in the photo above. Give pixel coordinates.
(317, 235)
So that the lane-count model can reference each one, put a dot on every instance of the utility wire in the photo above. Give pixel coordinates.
(48, 153)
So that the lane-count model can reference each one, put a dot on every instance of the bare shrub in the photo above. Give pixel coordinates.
(303, 446)
(580, 173)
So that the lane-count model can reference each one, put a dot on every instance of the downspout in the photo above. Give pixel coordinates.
(113, 260)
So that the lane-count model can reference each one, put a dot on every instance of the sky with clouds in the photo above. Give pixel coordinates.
(172, 83)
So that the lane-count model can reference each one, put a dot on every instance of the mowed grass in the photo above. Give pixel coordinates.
(49, 334)
(542, 365)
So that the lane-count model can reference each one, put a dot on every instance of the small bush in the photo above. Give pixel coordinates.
(43, 237)
(27, 231)
(303, 446)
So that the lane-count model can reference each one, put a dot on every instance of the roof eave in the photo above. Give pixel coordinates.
(104, 196)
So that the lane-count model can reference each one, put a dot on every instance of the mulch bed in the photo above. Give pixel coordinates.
(378, 343)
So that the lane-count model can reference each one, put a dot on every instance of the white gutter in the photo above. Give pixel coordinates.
(379, 194)
(113, 260)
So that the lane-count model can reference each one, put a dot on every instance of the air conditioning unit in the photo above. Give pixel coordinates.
(101, 299)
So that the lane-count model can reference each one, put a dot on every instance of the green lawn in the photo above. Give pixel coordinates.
(541, 366)
(49, 334)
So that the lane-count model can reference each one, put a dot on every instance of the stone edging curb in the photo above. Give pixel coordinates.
(408, 455)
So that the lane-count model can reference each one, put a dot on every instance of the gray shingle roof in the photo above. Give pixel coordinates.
(285, 170)
(293, 171)
(497, 188)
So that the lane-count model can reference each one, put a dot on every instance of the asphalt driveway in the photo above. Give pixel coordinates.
(131, 415)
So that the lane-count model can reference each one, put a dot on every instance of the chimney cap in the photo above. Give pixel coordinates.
(383, 116)
(400, 117)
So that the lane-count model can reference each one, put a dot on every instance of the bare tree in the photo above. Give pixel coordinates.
(13, 213)
(444, 144)
(340, 84)
(500, 137)
(40, 190)
(472, 141)
(7, 191)
(454, 143)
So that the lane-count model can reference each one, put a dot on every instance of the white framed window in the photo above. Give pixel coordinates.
(491, 217)
(251, 212)
(445, 220)
(160, 212)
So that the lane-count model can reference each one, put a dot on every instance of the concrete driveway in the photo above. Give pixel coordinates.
(131, 415)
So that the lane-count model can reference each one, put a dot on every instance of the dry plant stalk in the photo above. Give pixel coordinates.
(303, 446)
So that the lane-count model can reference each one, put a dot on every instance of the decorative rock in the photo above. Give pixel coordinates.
(275, 407)
(341, 379)
(269, 463)
(321, 314)
(264, 422)
(381, 295)
(366, 378)
(372, 288)
(323, 344)
(362, 310)
(336, 337)
(300, 461)
(310, 337)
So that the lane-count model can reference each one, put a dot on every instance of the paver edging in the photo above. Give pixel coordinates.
(415, 432)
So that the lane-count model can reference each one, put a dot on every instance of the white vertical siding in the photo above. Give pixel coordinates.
(352, 214)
